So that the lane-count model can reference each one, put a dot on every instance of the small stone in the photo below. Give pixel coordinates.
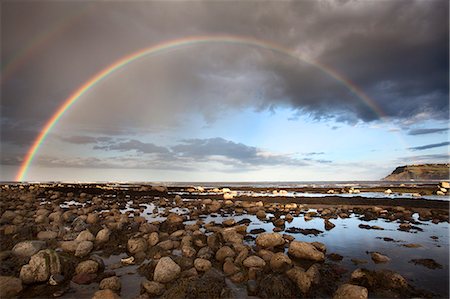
(105, 294)
(85, 236)
(224, 252)
(84, 278)
(69, 246)
(136, 245)
(229, 268)
(254, 262)
(88, 267)
(103, 235)
(379, 258)
(266, 240)
(349, 291)
(153, 288)
(300, 278)
(47, 235)
(328, 224)
(111, 283)
(306, 251)
(166, 270)
(202, 265)
(280, 262)
(84, 248)
(153, 239)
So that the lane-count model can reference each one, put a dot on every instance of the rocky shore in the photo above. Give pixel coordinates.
(103, 241)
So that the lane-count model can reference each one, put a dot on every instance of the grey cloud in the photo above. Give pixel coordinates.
(314, 153)
(79, 139)
(427, 131)
(201, 148)
(428, 146)
(400, 62)
(435, 158)
(133, 144)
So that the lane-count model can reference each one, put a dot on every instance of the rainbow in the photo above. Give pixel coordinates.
(174, 44)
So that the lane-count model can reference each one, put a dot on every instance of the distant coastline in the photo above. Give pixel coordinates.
(423, 172)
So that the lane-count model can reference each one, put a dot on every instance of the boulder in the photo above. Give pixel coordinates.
(266, 240)
(26, 249)
(350, 291)
(166, 270)
(41, 266)
(306, 251)
(10, 286)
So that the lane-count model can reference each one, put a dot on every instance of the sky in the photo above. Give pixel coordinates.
(360, 88)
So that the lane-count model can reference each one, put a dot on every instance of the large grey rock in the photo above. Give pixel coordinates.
(166, 270)
(306, 251)
(350, 291)
(10, 286)
(27, 248)
(266, 240)
(41, 266)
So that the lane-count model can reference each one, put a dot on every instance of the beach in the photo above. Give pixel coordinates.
(225, 240)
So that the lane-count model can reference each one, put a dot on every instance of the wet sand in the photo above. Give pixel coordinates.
(105, 240)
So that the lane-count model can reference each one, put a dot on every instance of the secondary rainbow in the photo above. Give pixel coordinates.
(174, 44)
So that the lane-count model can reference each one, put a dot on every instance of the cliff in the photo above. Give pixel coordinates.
(421, 172)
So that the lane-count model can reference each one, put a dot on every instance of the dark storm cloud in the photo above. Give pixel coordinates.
(428, 146)
(427, 131)
(395, 51)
